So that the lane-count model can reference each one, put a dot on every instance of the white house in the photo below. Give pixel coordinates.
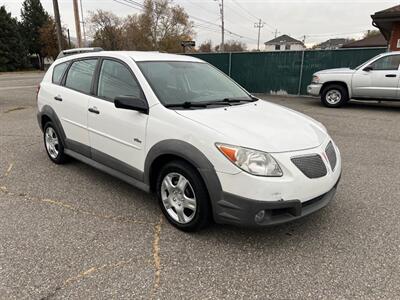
(284, 43)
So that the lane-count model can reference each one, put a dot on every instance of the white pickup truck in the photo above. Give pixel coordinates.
(376, 79)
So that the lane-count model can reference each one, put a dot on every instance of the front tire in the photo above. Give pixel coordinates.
(53, 144)
(183, 197)
(334, 96)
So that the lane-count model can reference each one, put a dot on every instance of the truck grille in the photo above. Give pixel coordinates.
(312, 165)
(331, 154)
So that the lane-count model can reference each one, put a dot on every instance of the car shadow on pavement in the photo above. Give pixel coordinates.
(373, 105)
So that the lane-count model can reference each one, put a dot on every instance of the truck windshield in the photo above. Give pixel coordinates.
(191, 84)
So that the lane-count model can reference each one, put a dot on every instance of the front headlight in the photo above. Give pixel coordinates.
(315, 79)
(251, 161)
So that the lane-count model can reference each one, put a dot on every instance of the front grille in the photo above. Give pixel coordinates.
(331, 154)
(312, 165)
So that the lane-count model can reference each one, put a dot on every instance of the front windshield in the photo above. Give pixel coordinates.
(367, 62)
(179, 82)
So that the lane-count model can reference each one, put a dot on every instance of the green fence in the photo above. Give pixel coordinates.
(286, 72)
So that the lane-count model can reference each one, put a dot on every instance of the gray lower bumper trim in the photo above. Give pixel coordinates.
(237, 210)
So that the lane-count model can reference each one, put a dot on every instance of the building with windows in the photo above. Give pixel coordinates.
(284, 43)
(388, 22)
(373, 41)
(331, 44)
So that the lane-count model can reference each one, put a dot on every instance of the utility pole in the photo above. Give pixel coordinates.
(77, 23)
(58, 24)
(276, 33)
(69, 39)
(221, 9)
(259, 25)
(83, 24)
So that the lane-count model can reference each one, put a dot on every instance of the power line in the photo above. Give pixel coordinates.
(139, 6)
(239, 14)
(245, 10)
(126, 4)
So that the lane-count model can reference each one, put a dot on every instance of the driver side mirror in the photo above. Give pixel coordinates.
(131, 103)
(368, 69)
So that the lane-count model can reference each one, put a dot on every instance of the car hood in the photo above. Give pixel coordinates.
(261, 125)
(337, 71)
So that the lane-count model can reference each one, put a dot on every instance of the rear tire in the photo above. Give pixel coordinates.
(183, 196)
(53, 144)
(334, 96)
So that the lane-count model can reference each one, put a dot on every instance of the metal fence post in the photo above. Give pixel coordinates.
(301, 73)
(230, 64)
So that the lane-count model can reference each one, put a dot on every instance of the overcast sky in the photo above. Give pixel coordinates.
(318, 20)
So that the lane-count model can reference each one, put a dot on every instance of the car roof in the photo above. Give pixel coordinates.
(137, 56)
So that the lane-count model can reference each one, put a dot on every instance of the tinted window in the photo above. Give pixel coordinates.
(80, 75)
(116, 80)
(58, 72)
(387, 63)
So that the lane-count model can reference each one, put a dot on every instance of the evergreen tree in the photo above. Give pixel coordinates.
(33, 18)
(13, 55)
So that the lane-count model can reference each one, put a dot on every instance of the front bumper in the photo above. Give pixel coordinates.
(314, 89)
(236, 210)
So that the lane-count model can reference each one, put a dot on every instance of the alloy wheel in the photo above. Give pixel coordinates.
(52, 144)
(178, 198)
(333, 97)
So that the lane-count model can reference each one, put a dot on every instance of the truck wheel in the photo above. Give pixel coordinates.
(334, 95)
(183, 196)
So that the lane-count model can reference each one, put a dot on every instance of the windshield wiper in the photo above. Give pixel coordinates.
(186, 104)
(235, 100)
(225, 101)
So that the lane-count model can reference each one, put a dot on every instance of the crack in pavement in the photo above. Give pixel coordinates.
(156, 257)
(20, 135)
(69, 281)
(120, 219)
(7, 171)
(155, 261)
(14, 109)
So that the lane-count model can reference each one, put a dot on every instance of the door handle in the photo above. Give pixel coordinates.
(58, 98)
(94, 110)
(391, 75)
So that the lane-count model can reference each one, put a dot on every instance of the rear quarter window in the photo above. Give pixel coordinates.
(58, 72)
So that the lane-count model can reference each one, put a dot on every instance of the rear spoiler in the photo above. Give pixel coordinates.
(78, 51)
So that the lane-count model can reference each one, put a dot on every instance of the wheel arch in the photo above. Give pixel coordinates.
(337, 82)
(169, 150)
(46, 114)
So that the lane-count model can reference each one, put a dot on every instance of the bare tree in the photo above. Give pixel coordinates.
(206, 46)
(48, 38)
(106, 29)
(233, 46)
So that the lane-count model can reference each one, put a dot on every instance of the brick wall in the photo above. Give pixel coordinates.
(395, 37)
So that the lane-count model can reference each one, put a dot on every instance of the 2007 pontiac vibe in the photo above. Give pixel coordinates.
(178, 127)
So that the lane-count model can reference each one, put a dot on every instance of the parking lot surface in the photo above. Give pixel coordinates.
(73, 232)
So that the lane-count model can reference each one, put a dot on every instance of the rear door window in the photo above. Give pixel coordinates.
(80, 75)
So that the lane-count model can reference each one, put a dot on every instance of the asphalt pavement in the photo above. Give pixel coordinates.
(72, 231)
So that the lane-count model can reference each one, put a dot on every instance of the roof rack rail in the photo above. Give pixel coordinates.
(78, 51)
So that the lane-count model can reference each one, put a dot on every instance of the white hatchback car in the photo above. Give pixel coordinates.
(179, 127)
